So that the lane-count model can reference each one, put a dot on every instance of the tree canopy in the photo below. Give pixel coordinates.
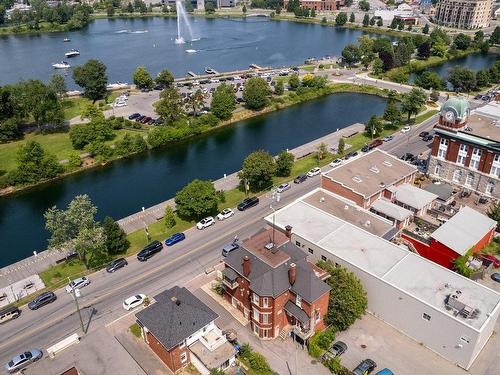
(142, 78)
(170, 107)
(223, 102)
(258, 169)
(284, 163)
(196, 200)
(92, 77)
(165, 77)
(256, 93)
(116, 241)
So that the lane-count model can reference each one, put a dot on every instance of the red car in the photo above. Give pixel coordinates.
(494, 259)
(375, 143)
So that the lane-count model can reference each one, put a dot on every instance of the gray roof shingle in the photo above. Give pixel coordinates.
(176, 315)
(297, 312)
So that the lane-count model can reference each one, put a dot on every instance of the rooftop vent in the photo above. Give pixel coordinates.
(357, 179)
(387, 163)
(459, 307)
(178, 303)
(382, 185)
(374, 169)
(367, 223)
(173, 299)
(346, 207)
(269, 246)
(322, 199)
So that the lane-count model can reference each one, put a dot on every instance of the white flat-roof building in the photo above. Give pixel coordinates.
(450, 314)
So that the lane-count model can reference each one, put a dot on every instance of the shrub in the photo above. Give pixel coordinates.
(320, 342)
(135, 330)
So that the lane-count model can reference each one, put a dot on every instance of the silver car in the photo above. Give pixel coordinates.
(77, 284)
(22, 360)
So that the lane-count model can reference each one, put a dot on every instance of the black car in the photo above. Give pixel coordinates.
(365, 148)
(149, 250)
(351, 155)
(300, 178)
(427, 138)
(365, 367)
(140, 118)
(116, 264)
(338, 348)
(423, 134)
(247, 203)
(133, 116)
(42, 300)
(408, 157)
(159, 87)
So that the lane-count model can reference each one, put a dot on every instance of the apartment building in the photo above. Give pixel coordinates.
(464, 14)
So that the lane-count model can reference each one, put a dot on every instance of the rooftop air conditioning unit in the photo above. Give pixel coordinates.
(269, 246)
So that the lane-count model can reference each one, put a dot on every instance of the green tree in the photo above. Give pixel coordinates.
(494, 212)
(380, 22)
(372, 21)
(378, 66)
(165, 77)
(169, 217)
(348, 300)
(462, 79)
(351, 54)
(244, 9)
(116, 241)
(392, 114)
(394, 23)
(482, 78)
(74, 159)
(10, 130)
(216, 371)
(479, 36)
(374, 126)
(462, 41)
(169, 107)
(352, 18)
(366, 20)
(429, 80)
(57, 84)
(90, 246)
(33, 165)
(130, 8)
(97, 130)
(256, 93)
(424, 50)
(110, 11)
(294, 81)
(196, 101)
(413, 101)
(364, 5)
(279, 88)
(322, 150)
(258, 170)
(196, 200)
(341, 19)
(495, 36)
(402, 54)
(425, 29)
(142, 78)
(223, 102)
(387, 58)
(438, 49)
(92, 77)
(284, 164)
(341, 146)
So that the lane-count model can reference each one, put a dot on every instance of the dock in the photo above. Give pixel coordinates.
(255, 66)
(192, 74)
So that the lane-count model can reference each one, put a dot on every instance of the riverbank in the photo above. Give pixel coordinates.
(60, 144)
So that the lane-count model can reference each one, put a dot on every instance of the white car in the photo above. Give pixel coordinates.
(77, 284)
(336, 163)
(214, 80)
(225, 214)
(314, 172)
(120, 104)
(134, 301)
(406, 129)
(283, 187)
(205, 223)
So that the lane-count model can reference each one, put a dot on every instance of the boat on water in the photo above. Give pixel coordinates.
(72, 53)
(209, 70)
(66, 40)
(191, 51)
(61, 65)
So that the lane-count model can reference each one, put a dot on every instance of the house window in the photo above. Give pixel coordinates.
(256, 315)
(495, 167)
(443, 147)
(311, 251)
(465, 339)
(256, 329)
(184, 357)
(298, 300)
(297, 243)
(265, 318)
(437, 170)
(456, 175)
(265, 302)
(489, 187)
(475, 158)
(265, 333)
(323, 258)
(256, 299)
(317, 316)
(182, 344)
(426, 316)
(469, 179)
(462, 154)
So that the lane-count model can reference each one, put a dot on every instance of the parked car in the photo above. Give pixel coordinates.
(338, 348)
(145, 120)
(116, 264)
(408, 157)
(423, 134)
(77, 284)
(406, 129)
(375, 143)
(492, 258)
(140, 118)
(149, 250)
(495, 277)
(314, 172)
(225, 214)
(226, 250)
(134, 301)
(351, 155)
(120, 104)
(42, 300)
(385, 371)
(205, 223)
(283, 187)
(388, 138)
(365, 148)
(9, 313)
(478, 96)
(300, 178)
(336, 162)
(175, 238)
(133, 116)
(365, 367)
(23, 360)
(427, 138)
(247, 203)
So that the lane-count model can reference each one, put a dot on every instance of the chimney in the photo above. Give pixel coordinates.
(288, 229)
(292, 273)
(246, 266)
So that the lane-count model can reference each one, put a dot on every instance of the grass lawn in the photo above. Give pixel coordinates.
(57, 275)
(135, 330)
(75, 105)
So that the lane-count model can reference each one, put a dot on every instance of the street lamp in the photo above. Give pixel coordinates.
(75, 293)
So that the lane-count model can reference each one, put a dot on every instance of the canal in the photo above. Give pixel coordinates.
(124, 186)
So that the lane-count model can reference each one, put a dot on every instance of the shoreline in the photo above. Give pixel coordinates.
(335, 88)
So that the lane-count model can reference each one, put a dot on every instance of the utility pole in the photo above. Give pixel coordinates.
(75, 293)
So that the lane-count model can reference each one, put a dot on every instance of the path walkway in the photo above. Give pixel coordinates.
(152, 214)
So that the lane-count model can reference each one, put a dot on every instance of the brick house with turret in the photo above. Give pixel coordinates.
(269, 280)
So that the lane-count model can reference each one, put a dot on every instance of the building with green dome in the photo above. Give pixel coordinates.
(466, 148)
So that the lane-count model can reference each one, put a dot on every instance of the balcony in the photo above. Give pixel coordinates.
(231, 284)
(303, 333)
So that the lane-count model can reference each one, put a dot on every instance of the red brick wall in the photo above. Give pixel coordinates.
(337, 188)
(171, 358)
(237, 293)
(488, 161)
(435, 145)
(322, 5)
(452, 152)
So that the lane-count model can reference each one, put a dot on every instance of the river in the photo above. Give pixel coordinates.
(126, 185)
(124, 44)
